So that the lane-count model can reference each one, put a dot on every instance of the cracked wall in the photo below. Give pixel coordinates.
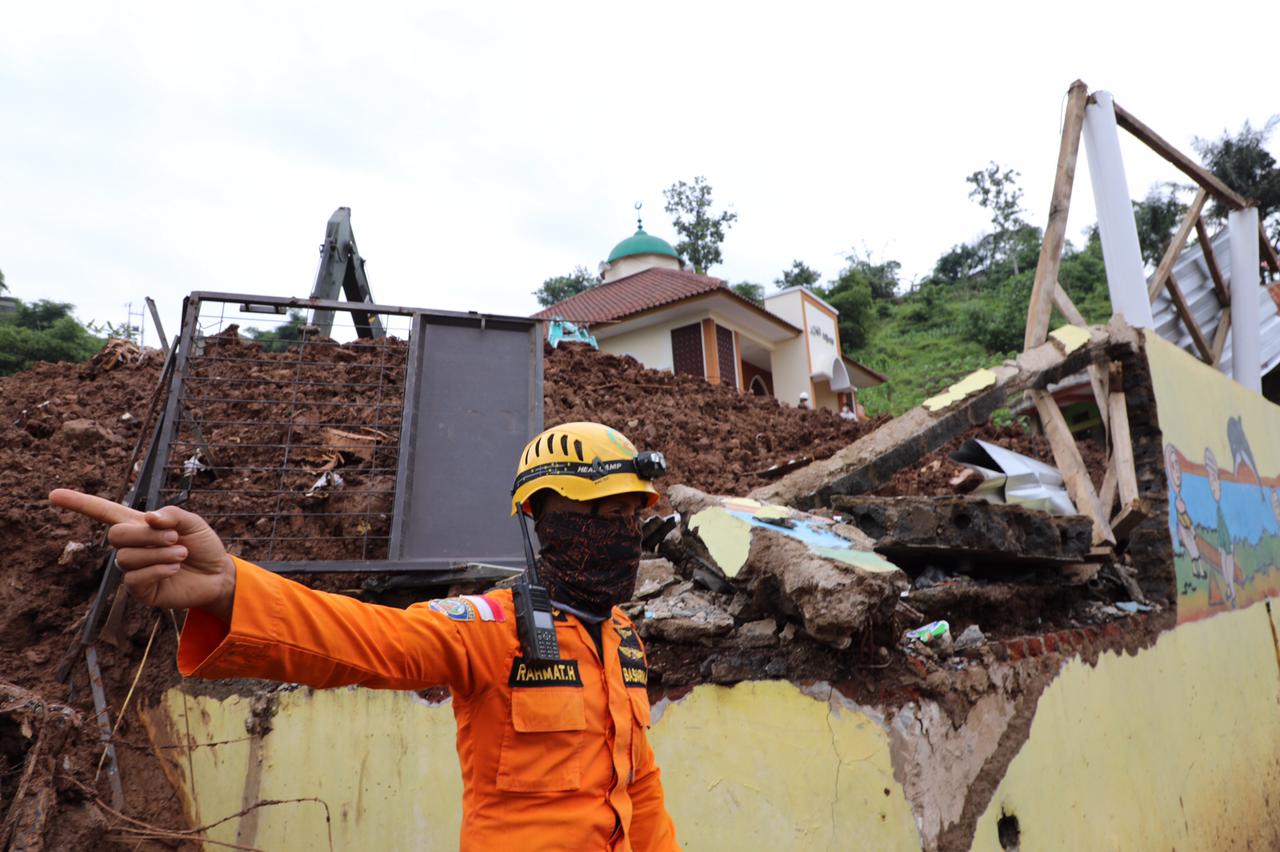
(1155, 749)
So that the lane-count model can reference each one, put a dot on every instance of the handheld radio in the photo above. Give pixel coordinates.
(534, 626)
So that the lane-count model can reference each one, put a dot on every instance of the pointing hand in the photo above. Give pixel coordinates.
(170, 557)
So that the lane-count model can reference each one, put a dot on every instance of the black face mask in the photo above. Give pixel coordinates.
(589, 562)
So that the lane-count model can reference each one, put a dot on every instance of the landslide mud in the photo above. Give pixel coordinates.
(66, 426)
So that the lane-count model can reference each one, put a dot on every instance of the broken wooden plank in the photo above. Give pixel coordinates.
(925, 528)
(1068, 308)
(1175, 246)
(1189, 167)
(1099, 380)
(1211, 261)
(1130, 516)
(873, 459)
(1066, 456)
(1184, 311)
(1107, 494)
(1121, 442)
(1055, 231)
(1268, 251)
(1220, 336)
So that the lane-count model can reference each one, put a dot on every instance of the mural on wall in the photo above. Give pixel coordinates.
(1222, 462)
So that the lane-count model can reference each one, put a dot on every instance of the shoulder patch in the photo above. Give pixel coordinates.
(455, 608)
(487, 607)
(559, 673)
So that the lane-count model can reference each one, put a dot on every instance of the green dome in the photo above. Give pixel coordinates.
(641, 243)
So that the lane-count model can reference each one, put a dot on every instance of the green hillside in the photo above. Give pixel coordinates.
(944, 329)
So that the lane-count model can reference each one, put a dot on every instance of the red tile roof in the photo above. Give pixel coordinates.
(649, 288)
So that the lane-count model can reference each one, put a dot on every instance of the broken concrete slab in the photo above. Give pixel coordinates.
(655, 574)
(909, 529)
(685, 615)
(791, 563)
(872, 460)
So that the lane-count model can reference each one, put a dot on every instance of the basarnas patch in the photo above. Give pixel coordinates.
(635, 671)
(458, 610)
(559, 673)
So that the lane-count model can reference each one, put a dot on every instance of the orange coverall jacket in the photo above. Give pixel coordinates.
(552, 757)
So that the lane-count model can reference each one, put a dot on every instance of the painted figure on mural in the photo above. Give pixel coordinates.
(1242, 453)
(1186, 530)
(1228, 572)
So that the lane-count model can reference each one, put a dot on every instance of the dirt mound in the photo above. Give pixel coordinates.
(715, 439)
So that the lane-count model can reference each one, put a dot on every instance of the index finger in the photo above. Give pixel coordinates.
(94, 507)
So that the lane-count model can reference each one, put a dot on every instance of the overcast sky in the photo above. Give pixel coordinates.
(147, 149)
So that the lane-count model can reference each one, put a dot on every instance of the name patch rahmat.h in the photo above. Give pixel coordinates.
(559, 673)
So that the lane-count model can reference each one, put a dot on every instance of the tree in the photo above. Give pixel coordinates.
(750, 292)
(557, 289)
(3, 287)
(283, 336)
(997, 191)
(702, 230)
(880, 278)
(799, 275)
(44, 331)
(854, 294)
(961, 262)
(1243, 163)
(1157, 217)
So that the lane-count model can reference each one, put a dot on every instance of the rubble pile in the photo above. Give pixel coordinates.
(894, 567)
(815, 575)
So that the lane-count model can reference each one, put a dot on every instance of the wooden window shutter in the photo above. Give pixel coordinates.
(728, 363)
(686, 351)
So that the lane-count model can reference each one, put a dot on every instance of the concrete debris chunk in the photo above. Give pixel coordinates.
(685, 615)
(791, 562)
(756, 634)
(971, 637)
(654, 576)
(71, 551)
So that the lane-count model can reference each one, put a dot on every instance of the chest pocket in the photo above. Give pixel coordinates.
(542, 747)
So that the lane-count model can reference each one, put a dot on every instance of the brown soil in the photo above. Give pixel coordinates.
(714, 438)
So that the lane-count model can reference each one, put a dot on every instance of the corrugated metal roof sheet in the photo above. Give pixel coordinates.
(1192, 274)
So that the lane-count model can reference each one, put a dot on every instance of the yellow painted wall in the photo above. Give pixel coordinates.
(383, 762)
(1177, 747)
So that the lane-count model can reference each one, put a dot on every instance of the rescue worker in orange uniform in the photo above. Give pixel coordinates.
(553, 756)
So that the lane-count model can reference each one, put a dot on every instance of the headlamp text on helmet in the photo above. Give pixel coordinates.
(584, 461)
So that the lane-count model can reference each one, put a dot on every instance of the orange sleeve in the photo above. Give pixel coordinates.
(281, 630)
(651, 827)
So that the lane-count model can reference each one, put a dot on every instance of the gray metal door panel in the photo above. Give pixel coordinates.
(473, 399)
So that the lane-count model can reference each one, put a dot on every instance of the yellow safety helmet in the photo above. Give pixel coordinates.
(584, 461)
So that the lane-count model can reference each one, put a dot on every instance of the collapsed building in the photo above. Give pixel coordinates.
(1106, 677)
